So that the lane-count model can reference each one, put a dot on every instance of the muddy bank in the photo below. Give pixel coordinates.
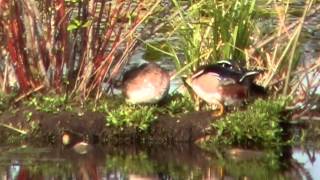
(91, 127)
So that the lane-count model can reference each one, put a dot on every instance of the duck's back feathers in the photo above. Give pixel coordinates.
(217, 70)
(148, 83)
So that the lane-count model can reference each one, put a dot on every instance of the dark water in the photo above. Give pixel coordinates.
(158, 162)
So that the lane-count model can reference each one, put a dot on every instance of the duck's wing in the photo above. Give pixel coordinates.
(223, 81)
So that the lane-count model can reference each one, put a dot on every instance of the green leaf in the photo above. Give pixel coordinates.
(86, 24)
(72, 27)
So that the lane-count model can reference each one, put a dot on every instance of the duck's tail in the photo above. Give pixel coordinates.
(258, 91)
(255, 90)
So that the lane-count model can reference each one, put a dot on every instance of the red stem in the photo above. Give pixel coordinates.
(61, 44)
(15, 47)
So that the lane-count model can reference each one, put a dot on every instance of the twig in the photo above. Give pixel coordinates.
(28, 93)
(13, 128)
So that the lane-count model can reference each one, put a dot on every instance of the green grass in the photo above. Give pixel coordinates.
(208, 31)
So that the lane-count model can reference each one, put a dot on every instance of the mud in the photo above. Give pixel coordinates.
(91, 127)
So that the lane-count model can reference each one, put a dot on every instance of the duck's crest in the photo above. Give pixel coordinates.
(249, 74)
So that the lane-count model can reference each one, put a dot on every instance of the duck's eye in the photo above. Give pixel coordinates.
(225, 64)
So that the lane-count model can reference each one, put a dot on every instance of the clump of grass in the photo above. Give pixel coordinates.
(135, 116)
(208, 31)
(179, 104)
(258, 125)
(121, 115)
(49, 103)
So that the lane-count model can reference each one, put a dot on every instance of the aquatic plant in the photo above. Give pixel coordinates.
(122, 115)
(258, 125)
(178, 103)
(206, 31)
(135, 116)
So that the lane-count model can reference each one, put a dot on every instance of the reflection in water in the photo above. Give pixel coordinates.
(310, 162)
(156, 162)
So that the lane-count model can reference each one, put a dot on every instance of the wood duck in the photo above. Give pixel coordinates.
(231, 65)
(222, 84)
(148, 83)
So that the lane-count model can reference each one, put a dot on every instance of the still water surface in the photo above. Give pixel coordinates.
(157, 162)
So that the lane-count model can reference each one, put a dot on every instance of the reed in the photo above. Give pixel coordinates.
(205, 32)
(208, 31)
(278, 52)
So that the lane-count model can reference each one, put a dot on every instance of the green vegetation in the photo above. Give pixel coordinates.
(207, 31)
(58, 56)
(136, 116)
(178, 104)
(121, 115)
(5, 101)
(51, 104)
(118, 114)
(258, 125)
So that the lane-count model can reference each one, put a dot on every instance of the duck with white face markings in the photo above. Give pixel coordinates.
(222, 84)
